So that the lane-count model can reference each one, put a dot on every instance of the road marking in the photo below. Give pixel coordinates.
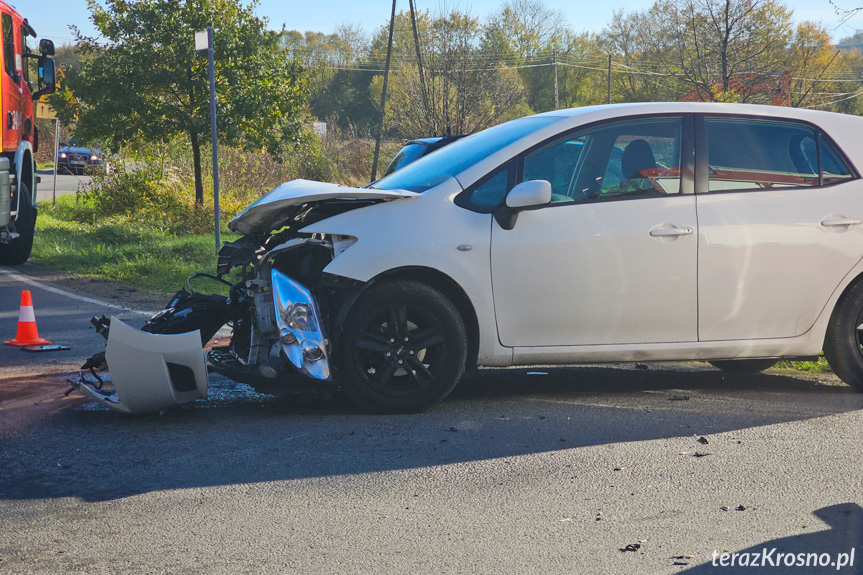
(36, 283)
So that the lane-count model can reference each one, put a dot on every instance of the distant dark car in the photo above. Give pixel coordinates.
(74, 157)
(416, 149)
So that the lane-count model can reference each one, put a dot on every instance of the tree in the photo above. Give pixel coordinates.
(466, 90)
(144, 78)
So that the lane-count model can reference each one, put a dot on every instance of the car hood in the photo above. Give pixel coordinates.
(305, 202)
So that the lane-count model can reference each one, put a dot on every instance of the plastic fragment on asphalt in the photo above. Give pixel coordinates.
(38, 348)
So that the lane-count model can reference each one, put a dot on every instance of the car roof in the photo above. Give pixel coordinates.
(635, 108)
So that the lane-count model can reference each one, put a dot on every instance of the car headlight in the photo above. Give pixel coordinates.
(63, 155)
(301, 316)
(94, 157)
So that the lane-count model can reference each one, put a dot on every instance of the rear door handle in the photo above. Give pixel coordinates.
(670, 232)
(836, 222)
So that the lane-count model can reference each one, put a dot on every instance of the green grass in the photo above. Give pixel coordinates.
(138, 255)
(44, 165)
(819, 366)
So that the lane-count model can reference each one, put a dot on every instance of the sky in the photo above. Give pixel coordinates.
(51, 18)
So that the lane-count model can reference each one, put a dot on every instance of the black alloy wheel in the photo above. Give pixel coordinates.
(843, 345)
(403, 350)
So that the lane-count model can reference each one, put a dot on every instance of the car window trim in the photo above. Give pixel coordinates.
(702, 168)
(687, 155)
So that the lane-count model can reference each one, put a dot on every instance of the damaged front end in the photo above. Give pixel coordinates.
(283, 310)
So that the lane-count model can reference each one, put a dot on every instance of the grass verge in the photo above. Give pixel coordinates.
(819, 366)
(140, 256)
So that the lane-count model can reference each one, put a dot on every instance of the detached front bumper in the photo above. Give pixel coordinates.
(151, 373)
(301, 337)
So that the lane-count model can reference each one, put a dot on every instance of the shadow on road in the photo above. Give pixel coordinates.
(239, 437)
(828, 551)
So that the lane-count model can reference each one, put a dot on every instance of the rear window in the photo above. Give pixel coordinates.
(406, 155)
(433, 169)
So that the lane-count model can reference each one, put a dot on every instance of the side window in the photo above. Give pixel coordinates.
(8, 44)
(758, 155)
(26, 50)
(488, 194)
(556, 163)
(621, 161)
(833, 169)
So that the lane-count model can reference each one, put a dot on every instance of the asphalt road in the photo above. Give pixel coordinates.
(62, 317)
(66, 184)
(524, 471)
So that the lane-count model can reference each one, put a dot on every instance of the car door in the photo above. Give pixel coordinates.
(779, 213)
(612, 260)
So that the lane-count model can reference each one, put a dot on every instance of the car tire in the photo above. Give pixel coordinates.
(17, 251)
(743, 365)
(843, 345)
(408, 322)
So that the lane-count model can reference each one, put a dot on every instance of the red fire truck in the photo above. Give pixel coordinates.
(19, 137)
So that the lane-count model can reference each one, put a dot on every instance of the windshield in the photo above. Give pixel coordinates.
(431, 170)
(405, 156)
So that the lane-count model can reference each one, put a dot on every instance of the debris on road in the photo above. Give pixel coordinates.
(180, 375)
(631, 547)
(740, 508)
(702, 440)
(700, 454)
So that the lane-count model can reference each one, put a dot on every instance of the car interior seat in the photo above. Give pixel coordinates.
(637, 156)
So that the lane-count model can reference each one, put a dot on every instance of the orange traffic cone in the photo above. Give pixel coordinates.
(27, 333)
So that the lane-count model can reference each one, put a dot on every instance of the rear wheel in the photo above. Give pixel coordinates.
(743, 365)
(403, 349)
(17, 251)
(843, 346)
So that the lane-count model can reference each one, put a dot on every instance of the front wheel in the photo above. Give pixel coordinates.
(743, 365)
(843, 346)
(17, 251)
(403, 349)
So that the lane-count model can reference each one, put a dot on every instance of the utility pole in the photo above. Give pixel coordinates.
(554, 60)
(420, 61)
(608, 81)
(384, 96)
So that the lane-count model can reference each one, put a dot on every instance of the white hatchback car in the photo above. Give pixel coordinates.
(636, 232)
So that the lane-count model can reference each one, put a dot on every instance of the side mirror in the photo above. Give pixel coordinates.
(528, 195)
(47, 77)
(46, 47)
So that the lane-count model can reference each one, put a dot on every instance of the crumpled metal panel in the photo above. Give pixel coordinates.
(271, 209)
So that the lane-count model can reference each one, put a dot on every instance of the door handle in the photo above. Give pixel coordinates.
(670, 232)
(836, 222)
